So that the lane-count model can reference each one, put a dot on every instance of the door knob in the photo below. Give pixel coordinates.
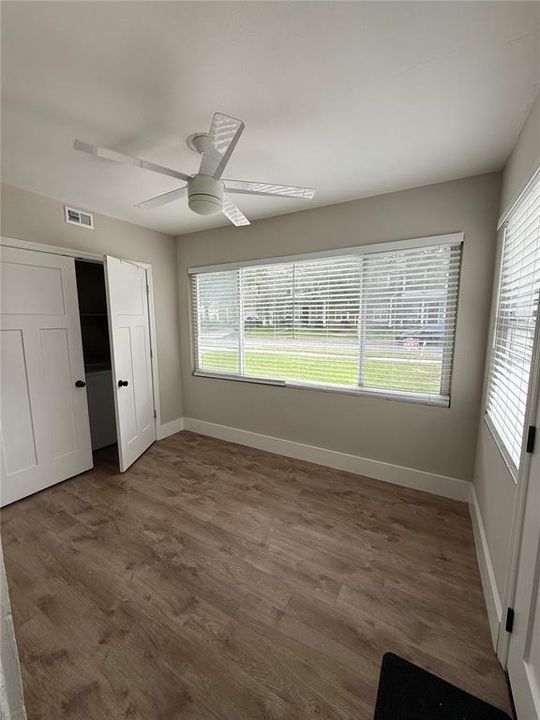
(123, 383)
(80, 383)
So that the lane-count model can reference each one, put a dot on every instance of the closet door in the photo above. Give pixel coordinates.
(131, 358)
(45, 433)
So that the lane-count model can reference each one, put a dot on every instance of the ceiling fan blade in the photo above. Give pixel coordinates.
(119, 157)
(260, 188)
(224, 133)
(233, 213)
(163, 199)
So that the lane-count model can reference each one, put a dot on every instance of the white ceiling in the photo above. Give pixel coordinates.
(353, 99)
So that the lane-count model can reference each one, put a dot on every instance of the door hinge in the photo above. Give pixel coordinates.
(509, 625)
(155, 414)
(531, 437)
(151, 353)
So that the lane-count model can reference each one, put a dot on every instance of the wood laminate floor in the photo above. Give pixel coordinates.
(216, 581)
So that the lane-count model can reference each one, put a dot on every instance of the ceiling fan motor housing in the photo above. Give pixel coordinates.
(205, 195)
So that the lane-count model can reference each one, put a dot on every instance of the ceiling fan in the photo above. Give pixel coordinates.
(206, 190)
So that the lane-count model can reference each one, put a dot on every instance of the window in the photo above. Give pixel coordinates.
(515, 326)
(377, 319)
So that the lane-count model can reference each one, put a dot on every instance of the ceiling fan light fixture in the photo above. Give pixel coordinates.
(205, 195)
(205, 190)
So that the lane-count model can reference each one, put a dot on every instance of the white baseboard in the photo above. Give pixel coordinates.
(170, 428)
(409, 477)
(489, 584)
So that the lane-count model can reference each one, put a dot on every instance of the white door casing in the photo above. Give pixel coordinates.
(45, 435)
(524, 647)
(127, 292)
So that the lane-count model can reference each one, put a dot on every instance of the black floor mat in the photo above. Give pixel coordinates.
(407, 692)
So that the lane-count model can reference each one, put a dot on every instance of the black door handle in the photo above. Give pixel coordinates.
(123, 383)
(80, 383)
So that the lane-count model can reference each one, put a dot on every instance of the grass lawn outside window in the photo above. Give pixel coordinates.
(421, 374)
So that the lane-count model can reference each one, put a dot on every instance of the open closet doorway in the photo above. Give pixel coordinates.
(96, 346)
(78, 371)
(115, 328)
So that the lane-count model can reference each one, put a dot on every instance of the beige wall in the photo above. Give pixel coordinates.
(495, 487)
(524, 160)
(434, 439)
(36, 218)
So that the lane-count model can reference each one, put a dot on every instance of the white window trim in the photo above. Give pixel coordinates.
(449, 239)
(512, 469)
(398, 395)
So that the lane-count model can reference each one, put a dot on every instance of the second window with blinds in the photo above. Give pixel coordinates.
(374, 319)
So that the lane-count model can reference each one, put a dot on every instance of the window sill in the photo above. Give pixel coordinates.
(500, 447)
(399, 396)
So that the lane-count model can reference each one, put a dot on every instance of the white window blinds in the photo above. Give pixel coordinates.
(515, 324)
(380, 322)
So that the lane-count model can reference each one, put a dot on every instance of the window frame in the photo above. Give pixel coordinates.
(513, 469)
(450, 239)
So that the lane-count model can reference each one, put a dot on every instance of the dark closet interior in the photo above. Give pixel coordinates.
(96, 351)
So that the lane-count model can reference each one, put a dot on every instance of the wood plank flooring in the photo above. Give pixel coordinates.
(216, 581)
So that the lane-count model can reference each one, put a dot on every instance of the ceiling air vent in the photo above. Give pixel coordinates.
(79, 217)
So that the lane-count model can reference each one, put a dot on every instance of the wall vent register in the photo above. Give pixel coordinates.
(79, 217)
(377, 319)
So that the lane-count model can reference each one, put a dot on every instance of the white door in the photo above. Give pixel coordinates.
(45, 433)
(131, 358)
(524, 649)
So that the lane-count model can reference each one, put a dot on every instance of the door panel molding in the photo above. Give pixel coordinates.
(51, 358)
(130, 331)
(20, 438)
